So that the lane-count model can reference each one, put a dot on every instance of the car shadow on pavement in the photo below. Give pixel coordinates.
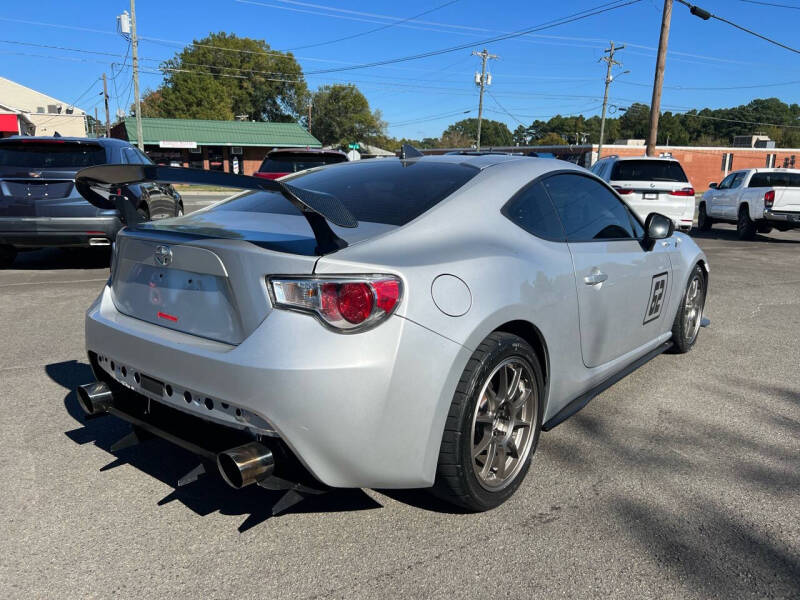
(729, 235)
(712, 500)
(46, 259)
(207, 495)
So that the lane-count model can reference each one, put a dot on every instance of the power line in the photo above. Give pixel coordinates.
(771, 4)
(603, 8)
(431, 118)
(376, 29)
(705, 15)
(504, 109)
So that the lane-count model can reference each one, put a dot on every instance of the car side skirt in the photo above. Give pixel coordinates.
(578, 403)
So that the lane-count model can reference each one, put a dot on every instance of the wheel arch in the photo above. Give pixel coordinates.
(533, 335)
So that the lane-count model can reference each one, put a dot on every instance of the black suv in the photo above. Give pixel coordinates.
(39, 205)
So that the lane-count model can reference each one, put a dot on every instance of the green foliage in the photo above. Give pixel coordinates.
(493, 133)
(550, 139)
(201, 82)
(342, 115)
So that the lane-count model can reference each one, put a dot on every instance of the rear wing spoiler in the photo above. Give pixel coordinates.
(317, 207)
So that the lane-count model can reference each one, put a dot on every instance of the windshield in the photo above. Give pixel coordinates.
(648, 170)
(289, 164)
(385, 191)
(51, 155)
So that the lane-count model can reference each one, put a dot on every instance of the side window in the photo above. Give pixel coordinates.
(131, 157)
(532, 209)
(587, 209)
(737, 180)
(143, 158)
(726, 183)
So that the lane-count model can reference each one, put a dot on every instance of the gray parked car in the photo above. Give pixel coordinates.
(388, 324)
(40, 205)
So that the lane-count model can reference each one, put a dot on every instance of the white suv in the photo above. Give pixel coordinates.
(650, 184)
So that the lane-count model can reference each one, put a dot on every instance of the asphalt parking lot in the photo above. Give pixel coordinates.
(682, 481)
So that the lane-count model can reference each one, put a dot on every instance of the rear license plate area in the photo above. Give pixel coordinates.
(650, 196)
(154, 386)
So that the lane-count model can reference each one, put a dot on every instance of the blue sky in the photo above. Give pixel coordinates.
(710, 64)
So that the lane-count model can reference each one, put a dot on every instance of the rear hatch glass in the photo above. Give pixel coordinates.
(775, 179)
(648, 170)
(51, 155)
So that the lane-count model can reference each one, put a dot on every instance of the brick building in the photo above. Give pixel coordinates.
(229, 146)
(702, 164)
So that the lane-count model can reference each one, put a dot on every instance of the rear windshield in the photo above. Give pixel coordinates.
(648, 170)
(775, 179)
(292, 164)
(51, 155)
(385, 191)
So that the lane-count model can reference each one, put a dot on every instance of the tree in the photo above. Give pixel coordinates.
(635, 123)
(247, 78)
(342, 116)
(493, 133)
(550, 139)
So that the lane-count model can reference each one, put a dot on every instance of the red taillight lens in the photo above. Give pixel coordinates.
(269, 175)
(769, 199)
(344, 303)
(622, 191)
(687, 191)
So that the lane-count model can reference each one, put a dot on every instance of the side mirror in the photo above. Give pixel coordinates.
(657, 227)
(712, 185)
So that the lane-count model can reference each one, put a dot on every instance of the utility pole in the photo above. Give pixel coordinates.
(105, 100)
(482, 82)
(611, 63)
(309, 115)
(135, 54)
(95, 122)
(658, 81)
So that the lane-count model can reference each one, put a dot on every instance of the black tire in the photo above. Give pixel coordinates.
(179, 209)
(745, 227)
(685, 331)
(704, 222)
(763, 228)
(456, 479)
(7, 256)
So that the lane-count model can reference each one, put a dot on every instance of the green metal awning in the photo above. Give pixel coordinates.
(190, 132)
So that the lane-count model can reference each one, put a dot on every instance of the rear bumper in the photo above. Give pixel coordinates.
(365, 410)
(36, 232)
(791, 219)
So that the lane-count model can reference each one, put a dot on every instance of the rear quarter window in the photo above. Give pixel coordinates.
(51, 155)
(774, 179)
(648, 170)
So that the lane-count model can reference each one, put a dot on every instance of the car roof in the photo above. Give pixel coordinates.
(306, 151)
(479, 161)
(52, 138)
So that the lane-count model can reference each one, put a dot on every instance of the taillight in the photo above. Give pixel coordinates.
(269, 175)
(346, 304)
(622, 191)
(769, 199)
(687, 191)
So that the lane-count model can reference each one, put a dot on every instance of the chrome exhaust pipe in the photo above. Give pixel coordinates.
(245, 465)
(94, 398)
(95, 241)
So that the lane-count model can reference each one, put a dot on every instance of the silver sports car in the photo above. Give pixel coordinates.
(400, 323)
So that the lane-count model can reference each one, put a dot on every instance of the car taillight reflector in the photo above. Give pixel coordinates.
(269, 175)
(687, 191)
(345, 304)
(769, 199)
(622, 191)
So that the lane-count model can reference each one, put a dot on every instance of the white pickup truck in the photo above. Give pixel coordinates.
(755, 199)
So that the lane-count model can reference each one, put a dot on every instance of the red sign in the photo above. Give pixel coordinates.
(8, 123)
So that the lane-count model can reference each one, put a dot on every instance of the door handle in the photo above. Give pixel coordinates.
(595, 278)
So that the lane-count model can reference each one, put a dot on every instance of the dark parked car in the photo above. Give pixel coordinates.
(39, 205)
(282, 161)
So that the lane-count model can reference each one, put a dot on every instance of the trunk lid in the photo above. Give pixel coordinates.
(209, 287)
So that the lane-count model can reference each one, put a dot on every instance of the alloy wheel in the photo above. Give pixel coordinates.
(693, 307)
(503, 424)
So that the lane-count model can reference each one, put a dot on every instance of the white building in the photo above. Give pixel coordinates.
(26, 111)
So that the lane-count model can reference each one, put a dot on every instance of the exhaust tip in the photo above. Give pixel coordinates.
(94, 398)
(245, 465)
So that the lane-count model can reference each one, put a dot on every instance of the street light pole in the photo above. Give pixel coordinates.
(658, 80)
(137, 99)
